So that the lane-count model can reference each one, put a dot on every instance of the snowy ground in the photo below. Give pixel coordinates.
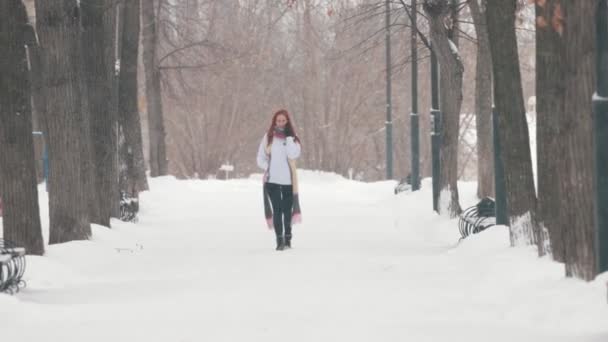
(366, 266)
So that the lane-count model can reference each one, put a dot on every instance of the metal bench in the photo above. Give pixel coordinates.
(405, 184)
(129, 207)
(12, 267)
(477, 218)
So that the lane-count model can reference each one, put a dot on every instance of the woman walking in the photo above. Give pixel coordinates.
(279, 149)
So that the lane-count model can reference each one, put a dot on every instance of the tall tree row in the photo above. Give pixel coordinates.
(222, 68)
(227, 66)
(72, 74)
(238, 63)
(563, 223)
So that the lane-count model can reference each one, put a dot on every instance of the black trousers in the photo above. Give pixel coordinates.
(281, 198)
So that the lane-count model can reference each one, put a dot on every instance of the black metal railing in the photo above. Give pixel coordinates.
(478, 217)
(12, 267)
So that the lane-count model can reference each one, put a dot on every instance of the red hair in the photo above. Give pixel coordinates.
(273, 125)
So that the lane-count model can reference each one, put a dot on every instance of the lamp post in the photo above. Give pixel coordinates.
(414, 117)
(389, 120)
(435, 128)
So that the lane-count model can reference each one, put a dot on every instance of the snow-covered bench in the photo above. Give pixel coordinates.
(12, 267)
(4, 258)
(477, 218)
(129, 207)
(405, 184)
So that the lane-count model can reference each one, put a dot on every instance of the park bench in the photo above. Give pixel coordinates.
(12, 267)
(129, 207)
(405, 184)
(477, 218)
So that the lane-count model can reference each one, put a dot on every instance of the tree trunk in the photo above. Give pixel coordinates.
(551, 96)
(576, 179)
(158, 154)
(451, 99)
(58, 26)
(112, 31)
(513, 127)
(314, 85)
(306, 121)
(113, 27)
(87, 154)
(99, 87)
(18, 185)
(128, 110)
(39, 100)
(483, 102)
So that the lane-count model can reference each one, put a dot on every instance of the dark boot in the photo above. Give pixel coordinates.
(288, 241)
(280, 243)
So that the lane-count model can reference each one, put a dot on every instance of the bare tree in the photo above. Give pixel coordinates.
(158, 155)
(58, 26)
(97, 23)
(133, 176)
(577, 178)
(565, 84)
(483, 101)
(228, 66)
(513, 128)
(451, 99)
(550, 106)
(18, 186)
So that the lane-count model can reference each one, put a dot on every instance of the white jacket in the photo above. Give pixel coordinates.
(281, 149)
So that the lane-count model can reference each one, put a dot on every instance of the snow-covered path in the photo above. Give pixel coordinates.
(366, 266)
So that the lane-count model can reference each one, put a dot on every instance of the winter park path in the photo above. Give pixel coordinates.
(366, 266)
